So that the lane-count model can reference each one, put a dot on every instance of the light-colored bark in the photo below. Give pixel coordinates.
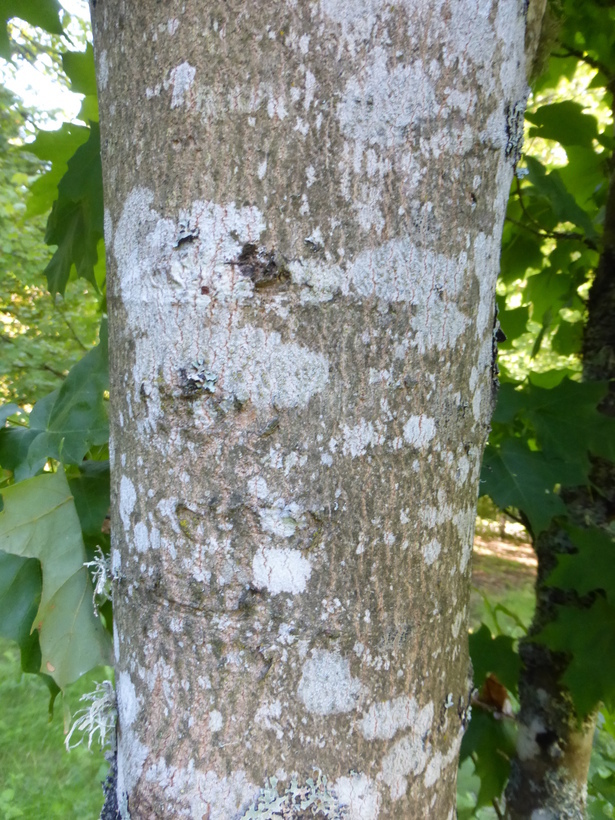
(304, 208)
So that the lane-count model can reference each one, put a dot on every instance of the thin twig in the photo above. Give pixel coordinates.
(553, 234)
(541, 231)
(72, 329)
(585, 58)
(55, 372)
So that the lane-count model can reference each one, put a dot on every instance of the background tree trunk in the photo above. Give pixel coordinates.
(304, 209)
(549, 773)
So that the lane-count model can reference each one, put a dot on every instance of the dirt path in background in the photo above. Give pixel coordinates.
(498, 565)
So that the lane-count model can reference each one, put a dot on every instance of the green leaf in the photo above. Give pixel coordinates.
(511, 401)
(490, 742)
(520, 254)
(591, 568)
(20, 593)
(39, 520)
(564, 122)
(90, 489)
(568, 338)
(567, 422)
(79, 68)
(43, 14)
(56, 147)
(588, 635)
(515, 476)
(548, 292)
(564, 205)
(494, 656)
(76, 221)
(74, 418)
(513, 322)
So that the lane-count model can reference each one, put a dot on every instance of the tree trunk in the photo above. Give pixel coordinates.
(549, 773)
(304, 209)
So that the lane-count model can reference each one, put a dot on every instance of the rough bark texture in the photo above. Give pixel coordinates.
(304, 209)
(549, 774)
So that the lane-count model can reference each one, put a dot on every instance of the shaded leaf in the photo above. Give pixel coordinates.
(567, 422)
(588, 636)
(75, 224)
(91, 492)
(490, 742)
(65, 424)
(564, 122)
(39, 520)
(494, 655)
(568, 338)
(515, 476)
(513, 322)
(591, 568)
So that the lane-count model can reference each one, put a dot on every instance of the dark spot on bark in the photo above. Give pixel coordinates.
(546, 739)
(205, 289)
(261, 266)
(269, 428)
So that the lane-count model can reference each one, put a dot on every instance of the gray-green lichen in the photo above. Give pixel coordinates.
(314, 798)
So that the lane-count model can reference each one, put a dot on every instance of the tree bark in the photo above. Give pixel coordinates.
(549, 773)
(304, 210)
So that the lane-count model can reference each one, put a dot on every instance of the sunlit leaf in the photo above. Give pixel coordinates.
(45, 15)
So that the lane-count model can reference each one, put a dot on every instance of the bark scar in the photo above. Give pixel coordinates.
(261, 266)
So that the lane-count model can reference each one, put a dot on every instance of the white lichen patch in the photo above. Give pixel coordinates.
(181, 78)
(281, 570)
(103, 69)
(216, 721)
(268, 715)
(419, 430)
(359, 795)
(128, 499)
(431, 550)
(408, 756)
(383, 720)
(361, 436)
(383, 103)
(131, 752)
(440, 761)
(282, 519)
(194, 793)
(527, 745)
(167, 288)
(326, 686)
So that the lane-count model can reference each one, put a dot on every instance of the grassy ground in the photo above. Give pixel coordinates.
(39, 780)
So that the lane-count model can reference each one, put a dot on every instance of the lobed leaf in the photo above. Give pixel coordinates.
(588, 637)
(496, 656)
(39, 520)
(515, 476)
(591, 568)
(44, 14)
